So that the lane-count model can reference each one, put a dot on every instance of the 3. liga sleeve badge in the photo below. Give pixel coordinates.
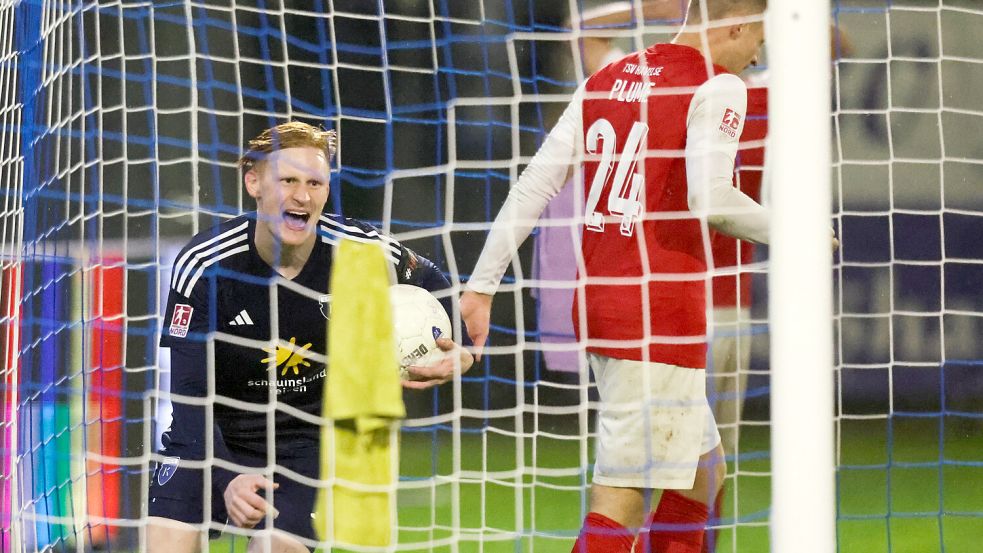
(730, 123)
(181, 320)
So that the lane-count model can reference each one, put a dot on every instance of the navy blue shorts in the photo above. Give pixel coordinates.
(176, 491)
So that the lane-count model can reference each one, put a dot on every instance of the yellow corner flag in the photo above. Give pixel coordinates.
(359, 454)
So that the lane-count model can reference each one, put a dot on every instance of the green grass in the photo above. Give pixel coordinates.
(913, 507)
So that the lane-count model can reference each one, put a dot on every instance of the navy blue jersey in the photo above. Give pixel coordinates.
(222, 292)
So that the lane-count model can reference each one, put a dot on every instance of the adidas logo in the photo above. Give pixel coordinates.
(241, 319)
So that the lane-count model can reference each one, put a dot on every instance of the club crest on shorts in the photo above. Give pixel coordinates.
(166, 469)
(324, 300)
(181, 320)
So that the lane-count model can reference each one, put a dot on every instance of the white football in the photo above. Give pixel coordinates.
(419, 320)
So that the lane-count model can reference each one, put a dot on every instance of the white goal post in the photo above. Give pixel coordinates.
(801, 292)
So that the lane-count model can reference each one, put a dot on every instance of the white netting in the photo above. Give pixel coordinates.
(907, 172)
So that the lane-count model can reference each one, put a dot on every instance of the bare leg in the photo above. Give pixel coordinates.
(626, 506)
(709, 477)
(277, 543)
(171, 536)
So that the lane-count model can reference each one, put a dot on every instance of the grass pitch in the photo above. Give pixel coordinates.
(908, 485)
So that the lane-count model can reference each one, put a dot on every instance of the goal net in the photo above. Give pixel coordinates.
(122, 123)
(908, 388)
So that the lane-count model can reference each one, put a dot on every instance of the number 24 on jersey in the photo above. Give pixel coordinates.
(626, 184)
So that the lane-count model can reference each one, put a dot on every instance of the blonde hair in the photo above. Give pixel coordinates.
(292, 134)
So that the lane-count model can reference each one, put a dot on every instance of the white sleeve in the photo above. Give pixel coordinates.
(714, 125)
(540, 182)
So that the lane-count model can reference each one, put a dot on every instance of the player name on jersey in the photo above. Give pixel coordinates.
(629, 91)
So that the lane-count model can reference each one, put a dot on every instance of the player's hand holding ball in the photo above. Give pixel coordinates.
(442, 371)
(427, 356)
(247, 508)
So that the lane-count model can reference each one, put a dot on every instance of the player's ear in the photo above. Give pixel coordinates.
(251, 178)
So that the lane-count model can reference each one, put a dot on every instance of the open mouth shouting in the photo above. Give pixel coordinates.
(296, 219)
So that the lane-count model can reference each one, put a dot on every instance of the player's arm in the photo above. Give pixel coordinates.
(714, 125)
(188, 378)
(409, 266)
(540, 182)
(186, 334)
(417, 270)
(185, 331)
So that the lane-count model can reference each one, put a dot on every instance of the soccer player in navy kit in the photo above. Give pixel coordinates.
(259, 277)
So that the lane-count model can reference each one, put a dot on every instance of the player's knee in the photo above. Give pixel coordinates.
(623, 505)
(171, 536)
(278, 543)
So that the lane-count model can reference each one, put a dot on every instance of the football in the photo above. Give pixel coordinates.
(419, 319)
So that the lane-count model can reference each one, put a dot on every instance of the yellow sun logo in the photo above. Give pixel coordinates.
(288, 357)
